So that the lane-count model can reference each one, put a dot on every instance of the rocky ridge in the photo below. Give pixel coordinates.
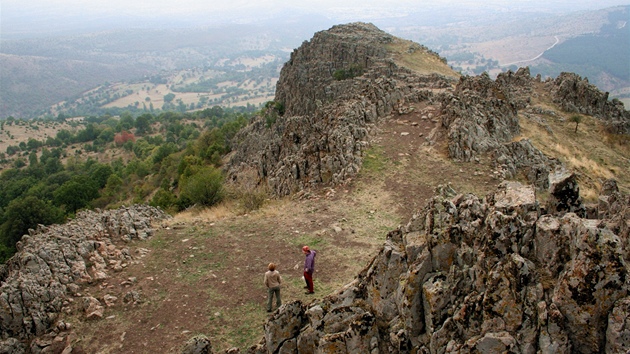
(467, 274)
(53, 263)
(477, 275)
(324, 125)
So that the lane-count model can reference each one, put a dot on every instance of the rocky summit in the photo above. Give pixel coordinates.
(529, 268)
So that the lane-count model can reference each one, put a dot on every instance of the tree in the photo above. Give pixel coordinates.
(75, 194)
(169, 97)
(99, 173)
(577, 119)
(143, 123)
(126, 122)
(23, 214)
(113, 186)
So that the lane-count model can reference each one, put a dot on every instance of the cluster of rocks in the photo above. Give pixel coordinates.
(52, 264)
(481, 117)
(575, 94)
(471, 275)
(327, 123)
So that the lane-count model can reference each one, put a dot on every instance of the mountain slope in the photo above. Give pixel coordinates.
(360, 151)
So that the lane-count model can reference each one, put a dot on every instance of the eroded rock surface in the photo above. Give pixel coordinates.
(327, 123)
(473, 275)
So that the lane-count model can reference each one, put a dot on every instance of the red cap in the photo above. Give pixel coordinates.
(306, 249)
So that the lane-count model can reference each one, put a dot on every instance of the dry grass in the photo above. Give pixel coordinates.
(590, 151)
(219, 212)
(410, 55)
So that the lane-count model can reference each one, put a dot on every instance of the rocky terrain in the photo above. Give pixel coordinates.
(54, 263)
(529, 268)
(467, 274)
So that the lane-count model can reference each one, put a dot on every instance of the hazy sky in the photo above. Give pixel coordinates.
(21, 16)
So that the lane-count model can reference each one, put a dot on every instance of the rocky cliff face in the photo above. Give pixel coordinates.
(471, 275)
(53, 263)
(327, 121)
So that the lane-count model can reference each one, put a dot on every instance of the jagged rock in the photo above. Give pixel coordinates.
(52, 263)
(92, 308)
(565, 194)
(199, 344)
(12, 346)
(326, 124)
(283, 326)
(478, 116)
(618, 330)
(132, 297)
(609, 187)
(475, 275)
(110, 300)
(575, 94)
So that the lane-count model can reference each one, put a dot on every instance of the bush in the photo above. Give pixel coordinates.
(205, 187)
(164, 199)
(23, 214)
(348, 73)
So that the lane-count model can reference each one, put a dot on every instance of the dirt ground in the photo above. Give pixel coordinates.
(203, 272)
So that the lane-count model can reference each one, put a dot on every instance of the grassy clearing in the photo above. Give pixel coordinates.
(410, 55)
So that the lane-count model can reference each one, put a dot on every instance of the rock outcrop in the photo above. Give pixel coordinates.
(325, 123)
(575, 94)
(471, 275)
(339, 86)
(481, 118)
(53, 262)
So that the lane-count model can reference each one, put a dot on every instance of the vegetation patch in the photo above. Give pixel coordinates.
(350, 72)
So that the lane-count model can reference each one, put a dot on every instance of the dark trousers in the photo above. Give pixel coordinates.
(270, 293)
(308, 277)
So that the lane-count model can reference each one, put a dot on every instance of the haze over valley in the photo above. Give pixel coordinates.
(78, 59)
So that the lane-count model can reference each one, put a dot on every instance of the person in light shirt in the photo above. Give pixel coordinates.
(273, 280)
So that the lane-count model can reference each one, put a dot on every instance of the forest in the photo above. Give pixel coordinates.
(172, 160)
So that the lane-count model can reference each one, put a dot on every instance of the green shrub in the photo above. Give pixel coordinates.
(204, 187)
(348, 73)
(164, 199)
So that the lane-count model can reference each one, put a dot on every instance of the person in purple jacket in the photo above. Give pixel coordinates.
(309, 268)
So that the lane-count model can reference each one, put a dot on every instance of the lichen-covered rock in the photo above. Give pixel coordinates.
(476, 276)
(618, 330)
(478, 116)
(199, 344)
(564, 193)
